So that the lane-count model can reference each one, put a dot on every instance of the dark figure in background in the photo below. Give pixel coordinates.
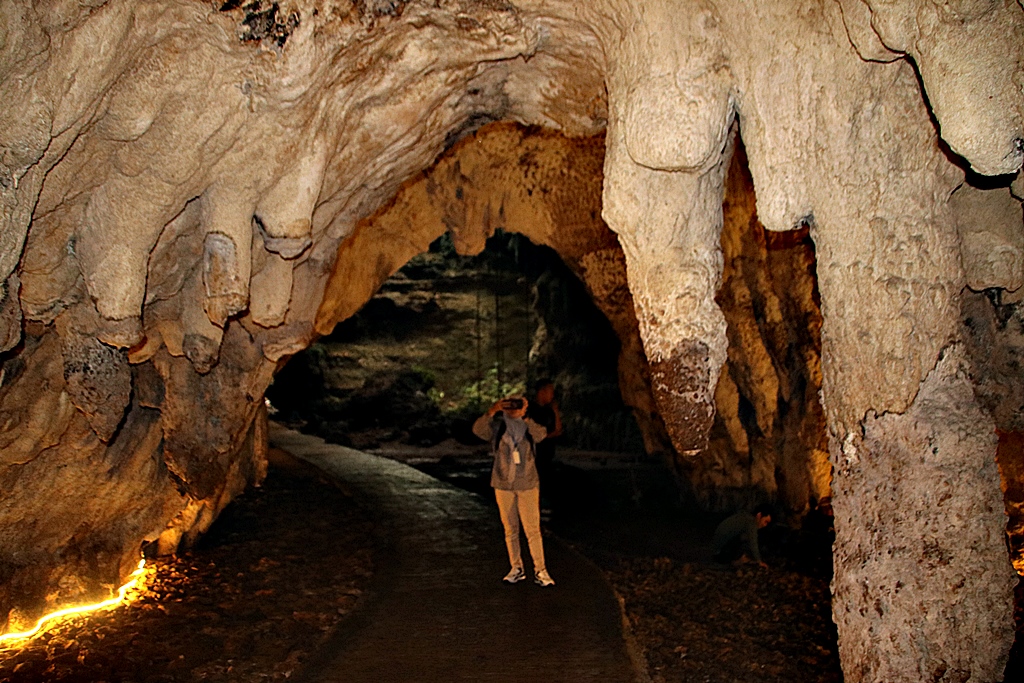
(544, 411)
(736, 537)
(816, 537)
(514, 439)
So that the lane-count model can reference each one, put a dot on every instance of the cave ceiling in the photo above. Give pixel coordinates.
(177, 179)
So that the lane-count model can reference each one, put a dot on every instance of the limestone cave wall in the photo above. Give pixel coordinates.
(769, 440)
(184, 172)
(181, 184)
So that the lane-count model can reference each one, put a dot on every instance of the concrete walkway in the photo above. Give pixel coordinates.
(437, 608)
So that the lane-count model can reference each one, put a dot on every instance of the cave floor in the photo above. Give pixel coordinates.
(281, 568)
(693, 620)
(437, 609)
(283, 587)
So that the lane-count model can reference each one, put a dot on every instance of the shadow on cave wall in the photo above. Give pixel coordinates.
(449, 334)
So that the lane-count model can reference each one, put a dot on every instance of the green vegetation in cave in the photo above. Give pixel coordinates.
(446, 336)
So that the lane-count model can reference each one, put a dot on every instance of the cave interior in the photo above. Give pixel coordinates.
(772, 251)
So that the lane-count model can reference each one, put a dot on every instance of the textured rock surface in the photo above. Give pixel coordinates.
(176, 181)
(969, 55)
(769, 441)
(909, 462)
(991, 237)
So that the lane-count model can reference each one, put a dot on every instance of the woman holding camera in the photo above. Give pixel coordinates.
(516, 483)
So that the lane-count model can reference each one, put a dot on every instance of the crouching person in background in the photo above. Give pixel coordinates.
(736, 537)
(515, 480)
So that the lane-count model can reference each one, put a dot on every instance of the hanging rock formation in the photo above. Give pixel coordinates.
(548, 187)
(179, 185)
(537, 183)
(769, 440)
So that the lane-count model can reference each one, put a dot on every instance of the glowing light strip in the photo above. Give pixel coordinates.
(81, 609)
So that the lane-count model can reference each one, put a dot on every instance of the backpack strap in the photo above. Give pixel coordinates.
(498, 429)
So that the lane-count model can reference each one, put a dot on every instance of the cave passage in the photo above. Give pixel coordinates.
(405, 375)
(642, 516)
(191, 194)
(515, 277)
(448, 335)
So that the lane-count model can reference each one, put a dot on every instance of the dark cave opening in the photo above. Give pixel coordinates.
(448, 335)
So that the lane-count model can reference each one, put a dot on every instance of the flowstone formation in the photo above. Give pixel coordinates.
(769, 440)
(179, 185)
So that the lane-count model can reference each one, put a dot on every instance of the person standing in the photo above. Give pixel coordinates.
(544, 411)
(513, 438)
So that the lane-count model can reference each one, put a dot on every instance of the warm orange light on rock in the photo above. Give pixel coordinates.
(121, 598)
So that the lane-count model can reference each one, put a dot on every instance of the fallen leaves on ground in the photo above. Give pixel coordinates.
(700, 622)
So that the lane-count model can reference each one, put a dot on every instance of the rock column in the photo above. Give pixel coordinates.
(922, 581)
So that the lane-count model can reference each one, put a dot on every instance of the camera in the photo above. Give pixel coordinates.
(512, 403)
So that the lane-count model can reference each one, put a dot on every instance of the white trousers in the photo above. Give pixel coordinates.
(516, 506)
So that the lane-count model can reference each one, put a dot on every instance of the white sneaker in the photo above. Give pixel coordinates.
(515, 576)
(542, 578)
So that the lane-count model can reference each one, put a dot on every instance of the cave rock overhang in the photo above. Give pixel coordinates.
(176, 183)
(261, 188)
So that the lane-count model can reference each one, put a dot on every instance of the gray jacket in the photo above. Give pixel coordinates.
(506, 474)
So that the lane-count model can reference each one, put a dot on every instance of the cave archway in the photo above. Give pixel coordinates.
(768, 296)
(547, 187)
(446, 336)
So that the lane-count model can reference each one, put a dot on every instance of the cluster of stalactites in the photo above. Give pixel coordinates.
(182, 167)
(839, 137)
(202, 166)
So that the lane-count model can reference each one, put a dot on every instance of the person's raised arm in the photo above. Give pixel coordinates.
(482, 426)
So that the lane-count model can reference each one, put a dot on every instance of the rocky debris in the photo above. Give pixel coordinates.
(249, 603)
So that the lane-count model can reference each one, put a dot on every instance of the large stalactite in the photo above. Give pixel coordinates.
(179, 187)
